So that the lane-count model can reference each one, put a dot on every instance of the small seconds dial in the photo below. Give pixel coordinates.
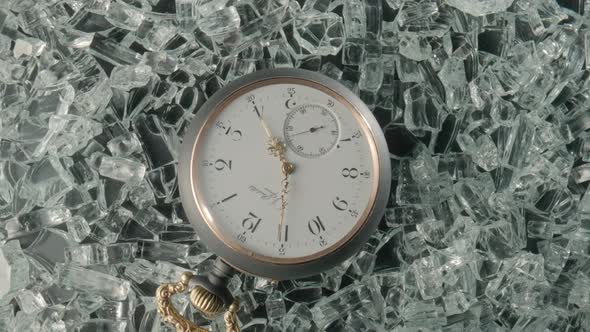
(311, 130)
(285, 171)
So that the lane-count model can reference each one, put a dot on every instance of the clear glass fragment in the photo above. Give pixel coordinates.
(124, 16)
(78, 228)
(275, 306)
(128, 77)
(102, 284)
(97, 254)
(481, 7)
(122, 169)
(15, 274)
(124, 145)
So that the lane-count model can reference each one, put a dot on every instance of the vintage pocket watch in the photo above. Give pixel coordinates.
(284, 173)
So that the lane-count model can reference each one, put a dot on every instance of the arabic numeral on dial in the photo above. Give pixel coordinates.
(330, 103)
(357, 134)
(316, 226)
(366, 174)
(221, 164)
(242, 237)
(323, 242)
(250, 98)
(282, 250)
(235, 134)
(340, 204)
(352, 173)
(353, 213)
(251, 222)
(291, 91)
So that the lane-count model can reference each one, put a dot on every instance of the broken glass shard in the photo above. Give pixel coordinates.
(220, 22)
(275, 306)
(122, 169)
(97, 254)
(481, 7)
(128, 77)
(320, 34)
(124, 145)
(15, 272)
(78, 228)
(124, 16)
(102, 284)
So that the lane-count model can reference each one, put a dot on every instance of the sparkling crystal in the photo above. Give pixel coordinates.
(15, 274)
(47, 181)
(6, 317)
(481, 7)
(581, 173)
(67, 134)
(101, 325)
(121, 169)
(140, 270)
(161, 62)
(124, 145)
(162, 250)
(78, 228)
(88, 303)
(186, 13)
(350, 298)
(91, 281)
(298, 318)
(91, 254)
(46, 217)
(124, 16)
(151, 219)
(428, 277)
(275, 306)
(31, 301)
(75, 38)
(320, 34)
(28, 47)
(49, 245)
(423, 314)
(128, 77)
(220, 22)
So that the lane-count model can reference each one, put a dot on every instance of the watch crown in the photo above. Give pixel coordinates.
(206, 302)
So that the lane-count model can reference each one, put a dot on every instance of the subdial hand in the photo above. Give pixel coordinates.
(310, 130)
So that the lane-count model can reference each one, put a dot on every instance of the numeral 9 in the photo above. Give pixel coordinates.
(340, 204)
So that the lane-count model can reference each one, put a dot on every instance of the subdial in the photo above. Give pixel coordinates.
(311, 130)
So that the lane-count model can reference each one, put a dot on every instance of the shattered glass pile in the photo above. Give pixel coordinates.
(485, 105)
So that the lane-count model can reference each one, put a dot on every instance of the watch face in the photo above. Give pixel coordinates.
(283, 170)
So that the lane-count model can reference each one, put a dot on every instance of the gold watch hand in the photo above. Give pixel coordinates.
(277, 149)
(265, 126)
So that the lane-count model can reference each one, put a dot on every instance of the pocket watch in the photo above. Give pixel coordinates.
(284, 173)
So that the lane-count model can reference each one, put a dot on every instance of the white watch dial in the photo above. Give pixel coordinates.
(239, 182)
